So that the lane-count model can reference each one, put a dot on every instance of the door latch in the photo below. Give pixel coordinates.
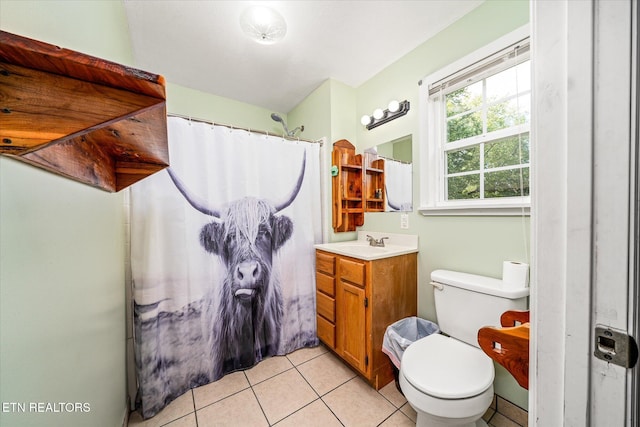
(615, 346)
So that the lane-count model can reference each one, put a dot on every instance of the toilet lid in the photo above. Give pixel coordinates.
(447, 368)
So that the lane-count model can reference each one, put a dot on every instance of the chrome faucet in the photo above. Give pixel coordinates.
(376, 242)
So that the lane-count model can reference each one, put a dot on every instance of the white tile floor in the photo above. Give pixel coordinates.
(309, 387)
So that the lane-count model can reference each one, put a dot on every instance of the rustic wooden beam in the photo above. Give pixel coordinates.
(82, 117)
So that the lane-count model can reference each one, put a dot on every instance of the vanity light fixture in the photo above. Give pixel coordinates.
(394, 110)
(262, 24)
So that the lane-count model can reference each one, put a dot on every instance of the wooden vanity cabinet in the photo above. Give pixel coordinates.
(326, 298)
(356, 301)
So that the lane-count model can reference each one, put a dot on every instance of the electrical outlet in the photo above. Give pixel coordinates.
(404, 220)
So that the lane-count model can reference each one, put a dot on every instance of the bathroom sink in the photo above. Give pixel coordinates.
(365, 249)
(361, 249)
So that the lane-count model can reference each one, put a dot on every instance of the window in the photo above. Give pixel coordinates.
(475, 132)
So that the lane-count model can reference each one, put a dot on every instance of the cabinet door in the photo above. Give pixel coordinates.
(351, 325)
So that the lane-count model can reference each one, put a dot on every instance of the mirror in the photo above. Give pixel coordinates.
(398, 172)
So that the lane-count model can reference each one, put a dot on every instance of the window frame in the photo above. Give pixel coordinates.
(433, 155)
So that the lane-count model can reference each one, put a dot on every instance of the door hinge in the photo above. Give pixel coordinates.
(366, 302)
(615, 346)
(366, 360)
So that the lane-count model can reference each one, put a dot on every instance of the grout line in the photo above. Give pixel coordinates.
(303, 377)
(492, 415)
(392, 404)
(316, 392)
(195, 411)
(308, 383)
(308, 360)
(256, 396)
(224, 398)
(319, 397)
(392, 414)
(268, 378)
(294, 412)
(331, 410)
(517, 408)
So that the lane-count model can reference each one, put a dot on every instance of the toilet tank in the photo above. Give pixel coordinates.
(466, 302)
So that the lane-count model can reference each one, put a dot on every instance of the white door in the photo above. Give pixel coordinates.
(584, 213)
(615, 212)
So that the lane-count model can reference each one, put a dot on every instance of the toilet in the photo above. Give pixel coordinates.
(446, 377)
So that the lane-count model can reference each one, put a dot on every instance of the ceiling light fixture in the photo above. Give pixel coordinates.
(396, 109)
(262, 24)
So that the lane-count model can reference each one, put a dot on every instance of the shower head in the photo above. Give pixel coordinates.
(277, 118)
(291, 133)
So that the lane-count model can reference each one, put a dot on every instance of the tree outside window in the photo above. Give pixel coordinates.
(486, 143)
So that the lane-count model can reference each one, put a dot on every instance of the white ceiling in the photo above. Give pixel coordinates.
(199, 44)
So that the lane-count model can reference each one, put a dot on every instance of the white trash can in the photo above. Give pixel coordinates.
(402, 334)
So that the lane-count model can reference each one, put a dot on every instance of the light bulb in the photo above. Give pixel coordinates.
(365, 120)
(378, 113)
(394, 106)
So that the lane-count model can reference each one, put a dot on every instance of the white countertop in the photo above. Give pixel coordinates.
(396, 244)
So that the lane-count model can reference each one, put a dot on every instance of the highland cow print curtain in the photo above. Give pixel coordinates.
(222, 257)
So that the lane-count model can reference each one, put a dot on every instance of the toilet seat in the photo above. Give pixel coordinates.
(446, 368)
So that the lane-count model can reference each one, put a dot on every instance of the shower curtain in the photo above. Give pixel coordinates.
(398, 176)
(222, 257)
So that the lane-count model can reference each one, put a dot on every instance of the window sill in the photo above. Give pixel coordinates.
(484, 210)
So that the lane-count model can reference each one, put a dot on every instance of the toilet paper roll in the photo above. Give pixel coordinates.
(515, 274)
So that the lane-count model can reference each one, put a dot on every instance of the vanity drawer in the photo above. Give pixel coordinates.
(326, 284)
(351, 271)
(326, 306)
(326, 331)
(326, 263)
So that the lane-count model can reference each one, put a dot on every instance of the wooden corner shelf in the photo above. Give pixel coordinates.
(91, 120)
(348, 207)
(358, 187)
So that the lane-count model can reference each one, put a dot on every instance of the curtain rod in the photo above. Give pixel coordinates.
(262, 132)
(395, 160)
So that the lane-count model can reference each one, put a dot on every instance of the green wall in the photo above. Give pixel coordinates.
(62, 303)
(465, 243)
(61, 260)
(329, 112)
(192, 103)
